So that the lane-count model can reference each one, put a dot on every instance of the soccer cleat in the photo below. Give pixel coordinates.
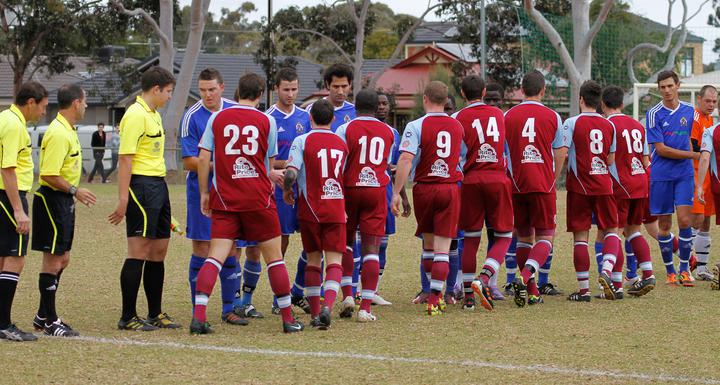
(508, 288)
(197, 327)
(13, 333)
(275, 310)
(164, 321)
(483, 292)
(631, 281)
(535, 300)
(520, 290)
(421, 297)
(433, 310)
(549, 289)
(442, 305)
(715, 283)
(577, 297)
(38, 323)
(672, 280)
(450, 299)
(233, 319)
(315, 322)
(365, 316)
(60, 329)
(248, 311)
(468, 303)
(703, 274)
(642, 287)
(685, 279)
(607, 286)
(325, 318)
(347, 307)
(293, 327)
(459, 295)
(136, 324)
(380, 301)
(301, 302)
(619, 294)
(497, 295)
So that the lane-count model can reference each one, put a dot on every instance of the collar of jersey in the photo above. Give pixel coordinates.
(60, 118)
(532, 102)
(614, 115)
(372, 118)
(141, 102)
(283, 112)
(436, 114)
(15, 110)
(591, 114)
(475, 104)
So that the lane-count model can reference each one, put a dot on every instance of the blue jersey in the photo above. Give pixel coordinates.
(343, 114)
(671, 127)
(289, 127)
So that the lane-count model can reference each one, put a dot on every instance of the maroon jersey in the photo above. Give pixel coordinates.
(319, 156)
(484, 142)
(243, 140)
(369, 143)
(591, 139)
(435, 140)
(628, 171)
(533, 130)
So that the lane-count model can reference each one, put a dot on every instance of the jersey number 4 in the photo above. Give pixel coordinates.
(250, 133)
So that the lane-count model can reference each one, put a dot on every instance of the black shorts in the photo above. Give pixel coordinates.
(53, 221)
(12, 244)
(148, 210)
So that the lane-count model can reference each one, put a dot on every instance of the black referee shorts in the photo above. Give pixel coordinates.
(148, 210)
(53, 227)
(12, 244)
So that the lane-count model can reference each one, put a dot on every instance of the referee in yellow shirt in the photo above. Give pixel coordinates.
(144, 202)
(16, 169)
(54, 204)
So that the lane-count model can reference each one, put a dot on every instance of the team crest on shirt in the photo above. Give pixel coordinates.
(486, 154)
(332, 190)
(683, 121)
(636, 167)
(299, 129)
(531, 155)
(440, 169)
(598, 167)
(368, 178)
(347, 118)
(157, 146)
(243, 169)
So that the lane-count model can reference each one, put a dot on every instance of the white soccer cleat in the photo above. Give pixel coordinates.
(703, 274)
(347, 307)
(380, 301)
(365, 316)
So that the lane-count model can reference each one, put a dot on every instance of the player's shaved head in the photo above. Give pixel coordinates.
(590, 93)
(366, 102)
(705, 89)
(250, 87)
(436, 92)
(322, 112)
(473, 87)
(612, 97)
(533, 83)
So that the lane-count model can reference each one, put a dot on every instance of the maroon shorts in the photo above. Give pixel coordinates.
(581, 207)
(366, 207)
(437, 208)
(534, 213)
(716, 200)
(631, 212)
(258, 225)
(322, 236)
(491, 200)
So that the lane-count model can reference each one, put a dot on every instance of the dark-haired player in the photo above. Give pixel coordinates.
(338, 79)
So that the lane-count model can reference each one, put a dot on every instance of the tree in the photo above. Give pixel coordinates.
(38, 35)
(714, 20)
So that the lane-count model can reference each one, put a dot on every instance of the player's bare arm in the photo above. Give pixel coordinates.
(404, 165)
(22, 221)
(673, 153)
(124, 174)
(702, 172)
(276, 174)
(288, 181)
(560, 157)
(82, 194)
(203, 177)
(407, 207)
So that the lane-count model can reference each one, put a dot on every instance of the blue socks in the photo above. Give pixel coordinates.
(383, 254)
(424, 280)
(685, 237)
(599, 255)
(298, 289)
(193, 270)
(251, 276)
(454, 268)
(666, 250)
(357, 263)
(229, 283)
(630, 261)
(544, 274)
(511, 261)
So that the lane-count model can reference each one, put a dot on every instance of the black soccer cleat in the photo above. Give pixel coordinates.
(293, 327)
(642, 287)
(301, 302)
(197, 327)
(136, 324)
(60, 329)
(468, 303)
(520, 292)
(233, 318)
(577, 297)
(248, 311)
(38, 323)
(607, 286)
(164, 321)
(549, 289)
(325, 318)
(13, 333)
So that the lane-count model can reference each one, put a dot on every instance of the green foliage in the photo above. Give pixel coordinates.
(380, 44)
(446, 76)
(714, 20)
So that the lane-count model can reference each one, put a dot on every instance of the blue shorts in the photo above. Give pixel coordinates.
(287, 214)
(390, 220)
(666, 195)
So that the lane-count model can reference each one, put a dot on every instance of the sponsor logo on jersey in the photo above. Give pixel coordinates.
(531, 155)
(243, 169)
(368, 178)
(598, 166)
(636, 167)
(486, 154)
(440, 169)
(332, 190)
(281, 129)
(299, 129)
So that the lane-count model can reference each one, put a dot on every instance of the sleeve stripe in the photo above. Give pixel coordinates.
(185, 130)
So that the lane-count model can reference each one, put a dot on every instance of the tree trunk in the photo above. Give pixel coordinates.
(18, 76)
(582, 53)
(166, 26)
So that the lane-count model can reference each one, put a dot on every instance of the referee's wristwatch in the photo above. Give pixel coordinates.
(73, 190)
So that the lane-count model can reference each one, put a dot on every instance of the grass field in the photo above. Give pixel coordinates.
(665, 337)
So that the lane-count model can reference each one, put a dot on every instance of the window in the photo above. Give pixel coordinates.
(686, 62)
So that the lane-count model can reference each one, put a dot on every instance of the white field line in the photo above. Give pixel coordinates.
(542, 369)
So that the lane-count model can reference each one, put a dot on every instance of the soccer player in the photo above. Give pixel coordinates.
(672, 183)
(338, 79)
(143, 198)
(533, 130)
(590, 139)
(486, 191)
(54, 204)
(316, 162)
(240, 202)
(291, 123)
(431, 148)
(211, 87)
(706, 103)
(630, 186)
(16, 178)
(709, 161)
(370, 145)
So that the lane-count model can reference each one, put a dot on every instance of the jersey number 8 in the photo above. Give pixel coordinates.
(596, 143)
(251, 133)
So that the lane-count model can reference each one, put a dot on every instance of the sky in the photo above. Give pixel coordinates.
(651, 9)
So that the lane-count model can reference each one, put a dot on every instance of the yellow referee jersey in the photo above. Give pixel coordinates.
(15, 147)
(142, 135)
(60, 152)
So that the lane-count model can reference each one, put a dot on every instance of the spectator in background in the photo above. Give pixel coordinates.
(114, 146)
(98, 146)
